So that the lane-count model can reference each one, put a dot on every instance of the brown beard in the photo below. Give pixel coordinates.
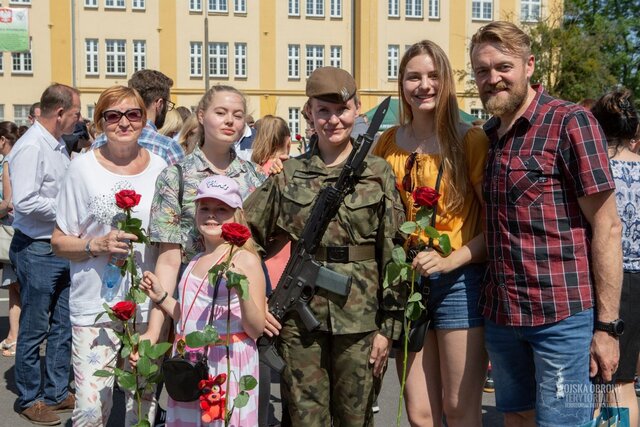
(516, 97)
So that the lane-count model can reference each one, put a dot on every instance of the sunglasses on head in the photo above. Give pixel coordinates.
(407, 183)
(114, 116)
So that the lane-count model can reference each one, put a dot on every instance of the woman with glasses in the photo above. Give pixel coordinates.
(86, 234)
(431, 141)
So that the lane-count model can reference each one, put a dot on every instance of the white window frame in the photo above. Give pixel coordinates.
(526, 10)
(12, 2)
(139, 55)
(91, 57)
(218, 6)
(21, 114)
(195, 59)
(480, 113)
(335, 9)
(116, 54)
(315, 8)
(195, 5)
(414, 9)
(91, 108)
(293, 61)
(393, 8)
(294, 121)
(24, 62)
(218, 59)
(434, 9)
(239, 6)
(93, 4)
(294, 7)
(240, 60)
(115, 4)
(478, 9)
(335, 56)
(393, 60)
(314, 57)
(138, 5)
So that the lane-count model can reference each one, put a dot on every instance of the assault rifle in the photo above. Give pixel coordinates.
(303, 273)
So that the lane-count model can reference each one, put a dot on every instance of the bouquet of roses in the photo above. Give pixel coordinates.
(145, 375)
(213, 404)
(400, 270)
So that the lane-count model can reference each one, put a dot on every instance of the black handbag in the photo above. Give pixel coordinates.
(181, 375)
(420, 326)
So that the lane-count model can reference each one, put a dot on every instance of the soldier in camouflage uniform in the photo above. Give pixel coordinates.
(332, 373)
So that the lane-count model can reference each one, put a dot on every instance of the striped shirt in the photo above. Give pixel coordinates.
(537, 237)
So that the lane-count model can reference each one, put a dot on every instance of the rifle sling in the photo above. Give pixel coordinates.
(345, 254)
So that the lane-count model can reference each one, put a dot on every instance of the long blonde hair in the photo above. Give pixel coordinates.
(450, 141)
(270, 139)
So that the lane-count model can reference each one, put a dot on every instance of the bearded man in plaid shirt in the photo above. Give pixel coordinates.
(553, 238)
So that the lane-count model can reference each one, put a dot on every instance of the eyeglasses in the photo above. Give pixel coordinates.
(170, 105)
(114, 116)
(407, 184)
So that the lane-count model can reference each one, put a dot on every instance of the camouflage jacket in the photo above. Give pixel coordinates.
(370, 215)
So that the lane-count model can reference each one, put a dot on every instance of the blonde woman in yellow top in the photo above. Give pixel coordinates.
(450, 368)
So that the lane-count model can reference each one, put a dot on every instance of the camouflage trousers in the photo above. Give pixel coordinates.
(328, 379)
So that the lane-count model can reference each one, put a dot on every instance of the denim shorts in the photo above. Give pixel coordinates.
(545, 368)
(453, 298)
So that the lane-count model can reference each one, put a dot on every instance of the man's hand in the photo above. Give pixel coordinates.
(379, 353)
(271, 326)
(605, 354)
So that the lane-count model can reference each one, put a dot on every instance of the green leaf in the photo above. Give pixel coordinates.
(158, 349)
(138, 295)
(423, 217)
(247, 382)
(143, 423)
(431, 232)
(143, 347)
(408, 227)
(398, 255)
(103, 373)
(241, 399)
(211, 334)
(445, 244)
(213, 272)
(239, 282)
(127, 381)
(99, 316)
(392, 274)
(417, 296)
(135, 338)
(196, 339)
(144, 366)
(134, 223)
(125, 352)
(413, 310)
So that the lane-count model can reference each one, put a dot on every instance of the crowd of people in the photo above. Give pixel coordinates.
(541, 206)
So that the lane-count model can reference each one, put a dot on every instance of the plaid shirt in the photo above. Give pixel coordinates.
(537, 238)
(153, 141)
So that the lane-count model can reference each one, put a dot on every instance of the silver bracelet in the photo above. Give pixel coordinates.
(87, 249)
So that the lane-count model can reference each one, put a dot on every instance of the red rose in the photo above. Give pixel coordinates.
(236, 234)
(126, 199)
(425, 196)
(298, 137)
(124, 310)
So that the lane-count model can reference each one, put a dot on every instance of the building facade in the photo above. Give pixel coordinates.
(266, 48)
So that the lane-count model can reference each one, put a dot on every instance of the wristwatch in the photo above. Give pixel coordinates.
(615, 328)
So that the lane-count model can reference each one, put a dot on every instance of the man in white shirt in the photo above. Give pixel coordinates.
(38, 165)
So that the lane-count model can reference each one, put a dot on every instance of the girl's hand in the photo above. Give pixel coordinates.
(276, 166)
(133, 358)
(429, 261)
(114, 242)
(150, 285)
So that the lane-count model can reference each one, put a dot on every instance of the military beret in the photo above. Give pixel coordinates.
(331, 84)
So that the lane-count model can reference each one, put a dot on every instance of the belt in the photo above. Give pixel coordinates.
(344, 254)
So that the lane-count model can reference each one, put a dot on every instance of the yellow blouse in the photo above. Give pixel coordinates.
(463, 225)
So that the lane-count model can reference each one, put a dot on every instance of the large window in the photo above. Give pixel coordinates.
(240, 59)
(240, 6)
(91, 56)
(315, 57)
(293, 59)
(393, 53)
(114, 4)
(335, 56)
(21, 63)
(91, 108)
(480, 113)
(434, 9)
(335, 9)
(90, 3)
(294, 121)
(530, 10)
(315, 7)
(116, 57)
(137, 4)
(21, 114)
(294, 7)
(139, 55)
(217, 5)
(482, 9)
(218, 59)
(413, 9)
(394, 8)
(195, 5)
(195, 59)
